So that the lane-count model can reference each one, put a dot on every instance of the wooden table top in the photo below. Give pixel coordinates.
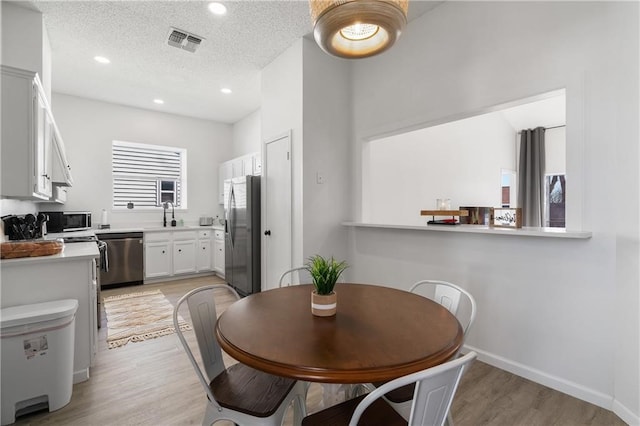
(378, 334)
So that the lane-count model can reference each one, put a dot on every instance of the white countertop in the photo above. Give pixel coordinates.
(71, 251)
(89, 250)
(156, 229)
(481, 229)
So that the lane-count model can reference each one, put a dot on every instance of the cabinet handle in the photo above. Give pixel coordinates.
(46, 176)
(162, 251)
(179, 250)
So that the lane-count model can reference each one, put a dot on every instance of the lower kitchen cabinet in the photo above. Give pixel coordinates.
(157, 259)
(184, 257)
(204, 258)
(48, 278)
(218, 252)
(174, 253)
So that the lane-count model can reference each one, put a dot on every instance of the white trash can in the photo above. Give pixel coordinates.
(37, 356)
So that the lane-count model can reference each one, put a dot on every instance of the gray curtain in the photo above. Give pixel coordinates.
(531, 177)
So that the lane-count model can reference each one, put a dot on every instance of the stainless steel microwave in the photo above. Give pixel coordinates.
(67, 221)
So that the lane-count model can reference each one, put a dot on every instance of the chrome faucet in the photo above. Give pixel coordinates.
(165, 206)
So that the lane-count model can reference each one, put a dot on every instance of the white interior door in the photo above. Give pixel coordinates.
(276, 184)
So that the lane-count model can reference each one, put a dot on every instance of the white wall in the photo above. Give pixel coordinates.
(327, 129)
(17, 207)
(461, 160)
(281, 109)
(247, 135)
(88, 128)
(562, 312)
(555, 151)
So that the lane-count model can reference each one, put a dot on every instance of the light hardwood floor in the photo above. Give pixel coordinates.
(153, 383)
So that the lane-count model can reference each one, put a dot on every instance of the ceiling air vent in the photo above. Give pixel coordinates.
(184, 40)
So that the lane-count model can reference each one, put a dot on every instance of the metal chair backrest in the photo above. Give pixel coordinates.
(202, 308)
(448, 295)
(283, 278)
(433, 395)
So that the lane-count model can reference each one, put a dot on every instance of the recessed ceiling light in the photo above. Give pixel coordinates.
(225, 90)
(217, 8)
(101, 59)
(158, 101)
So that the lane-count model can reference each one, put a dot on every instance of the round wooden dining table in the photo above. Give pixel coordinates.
(378, 334)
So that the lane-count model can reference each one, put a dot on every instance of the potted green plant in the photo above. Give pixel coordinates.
(325, 274)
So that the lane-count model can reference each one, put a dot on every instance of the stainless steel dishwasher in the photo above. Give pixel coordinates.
(126, 261)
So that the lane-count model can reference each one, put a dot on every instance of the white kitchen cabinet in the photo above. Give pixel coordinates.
(247, 165)
(178, 252)
(225, 171)
(157, 259)
(184, 252)
(257, 164)
(27, 132)
(237, 165)
(93, 313)
(61, 170)
(66, 276)
(250, 164)
(184, 257)
(204, 258)
(59, 194)
(218, 249)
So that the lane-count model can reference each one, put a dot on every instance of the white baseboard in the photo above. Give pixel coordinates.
(557, 383)
(625, 414)
(570, 388)
(81, 375)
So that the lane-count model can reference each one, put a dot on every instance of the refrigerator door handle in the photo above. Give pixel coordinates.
(232, 216)
(226, 211)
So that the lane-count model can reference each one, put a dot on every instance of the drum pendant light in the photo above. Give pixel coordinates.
(357, 28)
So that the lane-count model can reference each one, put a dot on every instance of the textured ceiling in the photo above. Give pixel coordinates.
(133, 34)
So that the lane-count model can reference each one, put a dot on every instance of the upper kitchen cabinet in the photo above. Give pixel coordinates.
(61, 169)
(31, 144)
(250, 164)
(25, 41)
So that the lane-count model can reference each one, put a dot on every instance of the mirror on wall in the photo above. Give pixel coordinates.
(473, 161)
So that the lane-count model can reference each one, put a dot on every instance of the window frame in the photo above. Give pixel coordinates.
(180, 189)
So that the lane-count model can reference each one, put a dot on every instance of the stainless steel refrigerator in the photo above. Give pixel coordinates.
(242, 234)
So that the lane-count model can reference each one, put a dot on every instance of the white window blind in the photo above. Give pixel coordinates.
(141, 171)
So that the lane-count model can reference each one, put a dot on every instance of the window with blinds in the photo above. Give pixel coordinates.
(148, 175)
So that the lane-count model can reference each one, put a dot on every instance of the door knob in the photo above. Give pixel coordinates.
(267, 232)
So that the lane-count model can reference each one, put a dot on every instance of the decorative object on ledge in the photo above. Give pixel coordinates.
(452, 213)
(476, 216)
(506, 218)
(357, 28)
(325, 274)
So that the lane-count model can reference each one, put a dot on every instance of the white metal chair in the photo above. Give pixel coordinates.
(434, 389)
(291, 273)
(239, 393)
(448, 295)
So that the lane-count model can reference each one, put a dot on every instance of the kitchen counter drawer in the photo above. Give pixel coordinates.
(185, 235)
(157, 236)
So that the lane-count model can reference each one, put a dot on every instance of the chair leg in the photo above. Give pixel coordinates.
(449, 419)
(359, 389)
(210, 415)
